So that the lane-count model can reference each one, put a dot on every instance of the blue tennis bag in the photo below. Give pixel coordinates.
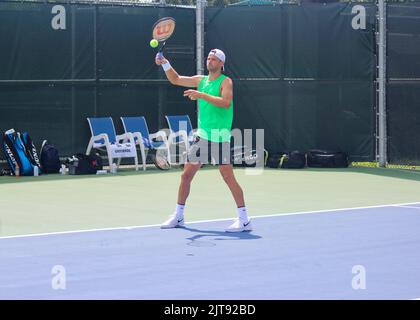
(20, 153)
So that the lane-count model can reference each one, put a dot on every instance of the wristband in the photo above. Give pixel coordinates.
(166, 66)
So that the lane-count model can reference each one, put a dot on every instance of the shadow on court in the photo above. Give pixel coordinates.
(204, 238)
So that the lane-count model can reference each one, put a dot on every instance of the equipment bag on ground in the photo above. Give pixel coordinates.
(327, 159)
(273, 160)
(84, 164)
(287, 160)
(243, 156)
(20, 153)
(293, 160)
(50, 159)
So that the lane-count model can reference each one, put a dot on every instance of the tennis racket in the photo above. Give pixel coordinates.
(162, 31)
(161, 162)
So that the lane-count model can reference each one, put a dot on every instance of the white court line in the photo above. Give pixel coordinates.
(408, 207)
(204, 221)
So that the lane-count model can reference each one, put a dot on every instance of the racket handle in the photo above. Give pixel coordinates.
(160, 54)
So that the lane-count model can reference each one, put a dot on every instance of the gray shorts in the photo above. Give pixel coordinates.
(209, 152)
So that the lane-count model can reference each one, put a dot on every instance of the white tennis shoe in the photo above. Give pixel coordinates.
(238, 226)
(173, 222)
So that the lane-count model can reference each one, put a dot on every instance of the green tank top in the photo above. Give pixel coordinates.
(214, 123)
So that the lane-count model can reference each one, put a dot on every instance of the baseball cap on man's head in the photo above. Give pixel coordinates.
(218, 54)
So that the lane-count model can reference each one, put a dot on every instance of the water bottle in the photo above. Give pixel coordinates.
(17, 170)
(36, 171)
(63, 169)
(114, 168)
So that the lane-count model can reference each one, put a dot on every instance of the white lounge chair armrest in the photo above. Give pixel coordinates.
(159, 134)
(92, 144)
(99, 137)
(124, 137)
(139, 138)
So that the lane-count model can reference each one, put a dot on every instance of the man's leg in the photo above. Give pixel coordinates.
(190, 169)
(242, 223)
(177, 219)
(227, 173)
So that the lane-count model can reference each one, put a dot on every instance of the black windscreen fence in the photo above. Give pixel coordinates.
(403, 87)
(305, 73)
(66, 62)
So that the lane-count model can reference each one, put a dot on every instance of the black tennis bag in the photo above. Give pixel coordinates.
(273, 160)
(287, 160)
(84, 164)
(50, 159)
(243, 156)
(293, 160)
(327, 159)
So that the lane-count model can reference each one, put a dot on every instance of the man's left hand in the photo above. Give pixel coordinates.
(192, 94)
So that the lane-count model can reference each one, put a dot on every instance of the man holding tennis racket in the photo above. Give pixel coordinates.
(212, 144)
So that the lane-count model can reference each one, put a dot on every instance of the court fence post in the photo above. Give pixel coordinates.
(381, 85)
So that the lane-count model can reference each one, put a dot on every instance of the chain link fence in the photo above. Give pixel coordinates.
(193, 2)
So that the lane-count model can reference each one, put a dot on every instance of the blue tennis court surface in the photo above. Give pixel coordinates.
(364, 253)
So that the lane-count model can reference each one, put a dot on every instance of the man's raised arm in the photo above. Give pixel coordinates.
(175, 78)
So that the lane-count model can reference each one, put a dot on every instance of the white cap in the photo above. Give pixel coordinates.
(219, 54)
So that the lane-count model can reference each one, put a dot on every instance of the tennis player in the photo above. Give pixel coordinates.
(212, 142)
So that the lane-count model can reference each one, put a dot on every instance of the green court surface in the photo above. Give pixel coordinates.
(54, 203)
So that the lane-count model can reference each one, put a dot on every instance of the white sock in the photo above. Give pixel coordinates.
(243, 214)
(179, 210)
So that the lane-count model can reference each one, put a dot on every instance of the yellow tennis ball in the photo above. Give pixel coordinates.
(154, 43)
